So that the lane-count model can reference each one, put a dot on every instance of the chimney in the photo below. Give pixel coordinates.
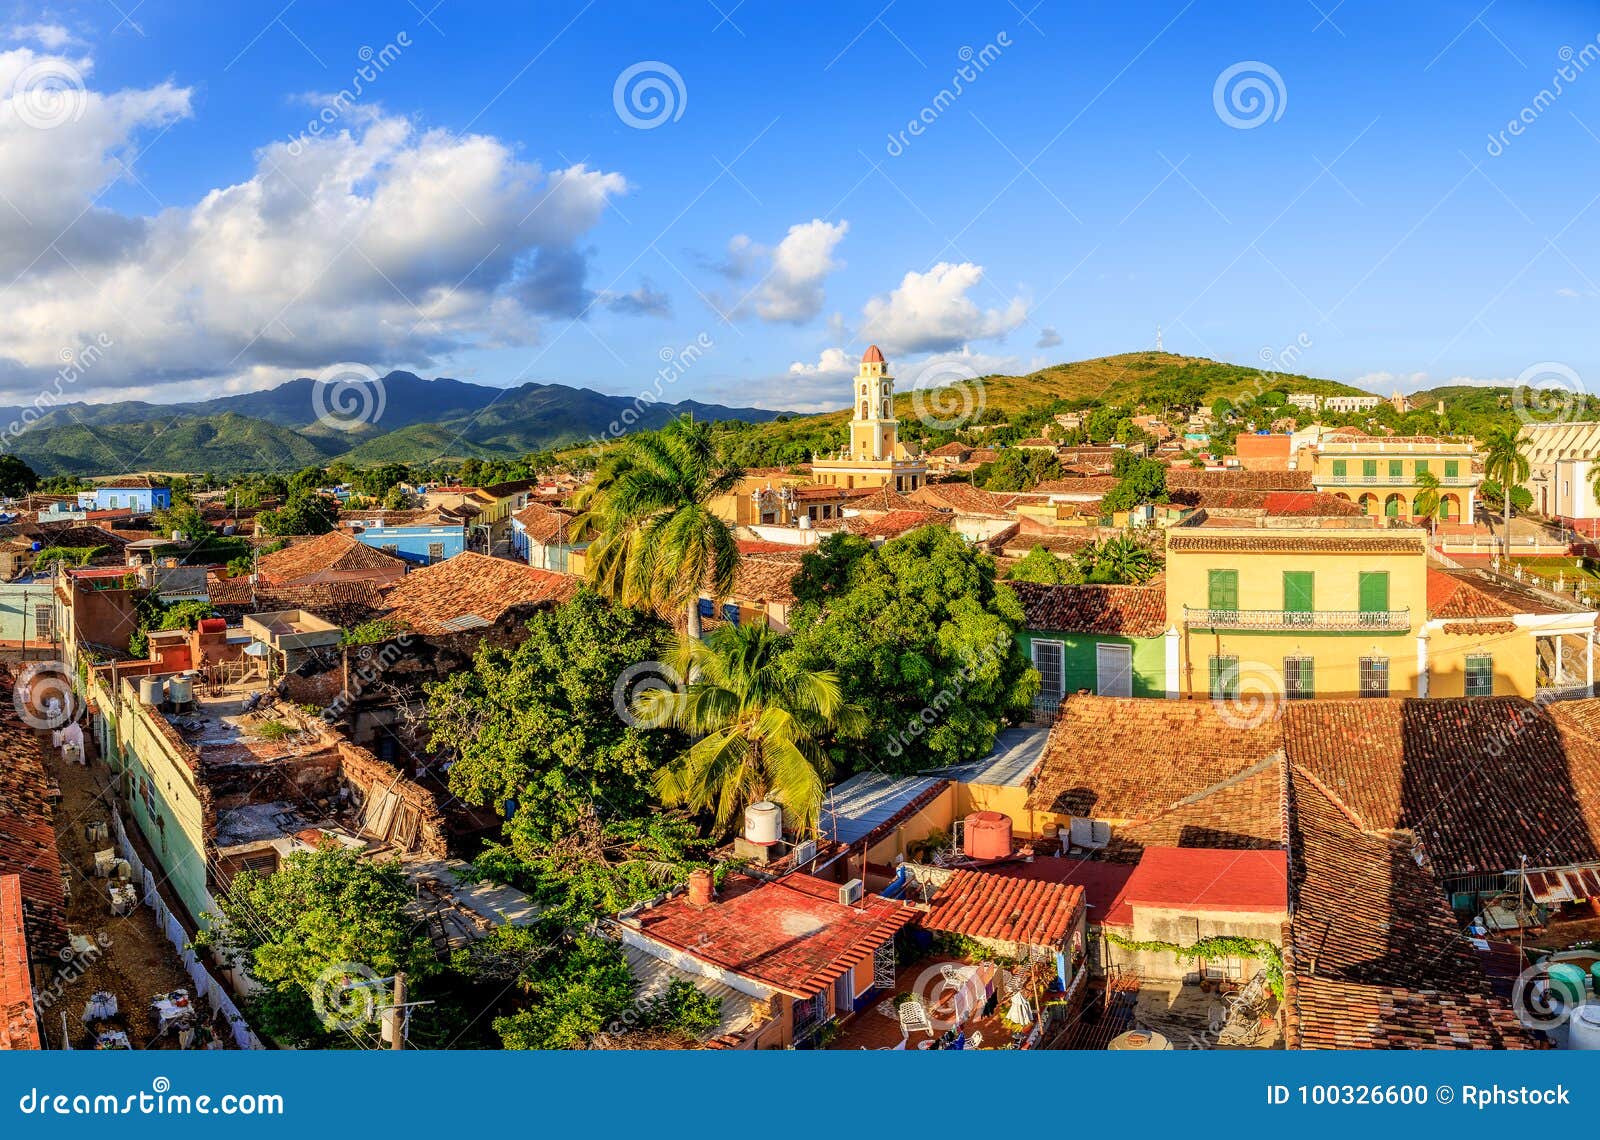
(700, 887)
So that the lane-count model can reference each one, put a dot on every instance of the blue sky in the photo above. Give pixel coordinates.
(484, 209)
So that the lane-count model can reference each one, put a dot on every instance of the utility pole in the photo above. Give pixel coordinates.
(398, 1027)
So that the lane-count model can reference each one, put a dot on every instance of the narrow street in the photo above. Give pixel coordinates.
(129, 956)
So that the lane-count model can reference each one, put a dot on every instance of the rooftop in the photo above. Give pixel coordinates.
(1005, 908)
(792, 936)
(472, 590)
(1205, 879)
(330, 556)
(1132, 611)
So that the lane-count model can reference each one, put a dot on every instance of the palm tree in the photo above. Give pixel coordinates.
(1429, 502)
(1504, 462)
(1119, 560)
(659, 540)
(758, 723)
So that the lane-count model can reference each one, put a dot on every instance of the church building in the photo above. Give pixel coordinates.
(875, 457)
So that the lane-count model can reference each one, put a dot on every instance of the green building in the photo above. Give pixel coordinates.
(1107, 640)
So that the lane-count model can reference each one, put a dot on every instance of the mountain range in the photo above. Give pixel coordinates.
(401, 418)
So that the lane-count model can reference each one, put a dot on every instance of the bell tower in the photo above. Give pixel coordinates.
(873, 428)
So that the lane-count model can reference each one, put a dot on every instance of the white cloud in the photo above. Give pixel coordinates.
(383, 243)
(791, 290)
(832, 362)
(931, 312)
(1048, 338)
(52, 37)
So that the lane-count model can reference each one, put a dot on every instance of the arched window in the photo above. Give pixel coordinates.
(886, 409)
(863, 409)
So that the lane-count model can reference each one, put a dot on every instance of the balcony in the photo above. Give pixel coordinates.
(1289, 621)
(1392, 480)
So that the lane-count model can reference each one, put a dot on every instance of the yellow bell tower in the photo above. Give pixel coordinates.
(873, 428)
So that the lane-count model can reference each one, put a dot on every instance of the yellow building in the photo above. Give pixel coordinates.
(1381, 474)
(1349, 607)
(875, 457)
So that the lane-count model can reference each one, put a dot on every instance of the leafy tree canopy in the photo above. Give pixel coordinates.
(1142, 481)
(1040, 566)
(304, 513)
(923, 640)
(16, 477)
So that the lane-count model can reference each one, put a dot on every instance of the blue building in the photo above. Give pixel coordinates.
(421, 543)
(539, 536)
(139, 493)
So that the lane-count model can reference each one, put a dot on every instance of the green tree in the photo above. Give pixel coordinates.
(1119, 560)
(1040, 566)
(539, 725)
(659, 542)
(299, 928)
(584, 989)
(1143, 481)
(924, 641)
(1505, 461)
(304, 513)
(758, 724)
(16, 477)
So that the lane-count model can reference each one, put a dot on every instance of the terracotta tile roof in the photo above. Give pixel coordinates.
(1127, 758)
(1482, 781)
(1373, 957)
(27, 834)
(1064, 542)
(1243, 812)
(343, 603)
(886, 498)
(1185, 477)
(545, 525)
(1131, 611)
(1082, 485)
(962, 498)
(1003, 908)
(957, 450)
(982, 455)
(19, 1026)
(131, 483)
(1466, 594)
(328, 556)
(474, 589)
(1101, 881)
(895, 523)
(792, 935)
(1198, 541)
(430, 516)
(1317, 504)
(765, 579)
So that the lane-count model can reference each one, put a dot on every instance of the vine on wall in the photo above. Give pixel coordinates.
(1217, 946)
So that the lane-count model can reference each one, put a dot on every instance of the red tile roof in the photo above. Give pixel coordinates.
(1467, 594)
(962, 498)
(792, 935)
(1004, 908)
(959, 450)
(1239, 480)
(1373, 957)
(545, 525)
(19, 1027)
(895, 523)
(1129, 611)
(886, 498)
(1396, 541)
(27, 833)
(328, 557)
(1128, 758)
(873, 355)
(472, 588)
(1205, 879)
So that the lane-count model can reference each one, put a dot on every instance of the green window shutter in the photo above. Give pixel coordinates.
(1480, 675)
(1297, 591)
(1223, 590)
(1422, 466)
(1374, 592)
(1338, 468)
(1395, 469)
(1452, 468)
(1369, 468)
(1224, 677)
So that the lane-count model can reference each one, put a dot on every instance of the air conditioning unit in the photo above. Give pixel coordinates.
(805, 852)
(851, 892)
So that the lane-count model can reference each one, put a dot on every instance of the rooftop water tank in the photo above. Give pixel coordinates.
(1583, 1032)
(1567, 983)
(180, 690)
(763, 822)
(987, 835)
(152, 691)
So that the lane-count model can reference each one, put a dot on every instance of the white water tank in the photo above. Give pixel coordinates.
(1583, 1031)
(180, 690)
(763, 822)
(152, 691)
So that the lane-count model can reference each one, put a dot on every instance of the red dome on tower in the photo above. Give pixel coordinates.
(873, 355)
